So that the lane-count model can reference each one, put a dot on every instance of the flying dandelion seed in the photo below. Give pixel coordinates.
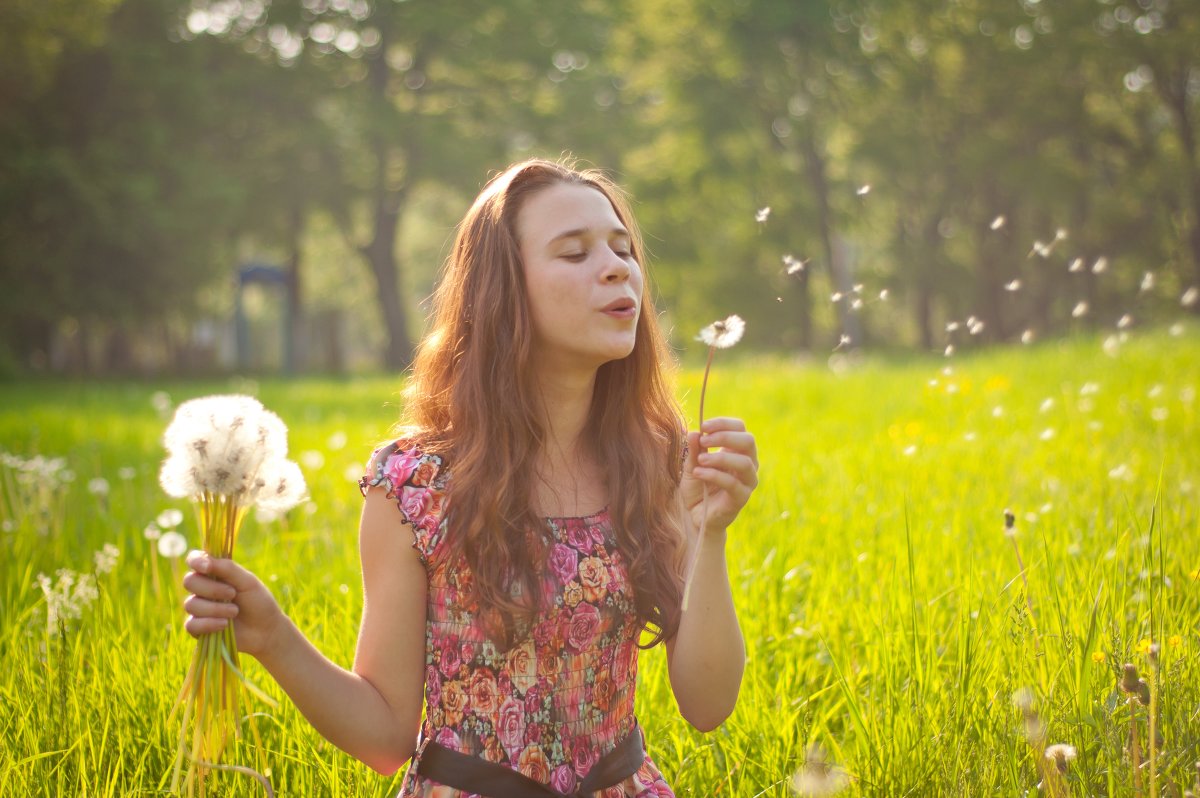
(1147, 282)
(977, 327)
(843, 340)
(1100, 266)
(1124, 322)
(1060, 234)
(949, 350)
(1189, 297)
(1047, 434)
(1015, 285)
(998, 222)
(1076, 266)
(1046, 406)
(836, 297)
(794, 265)
(1176, 330)
(761, 214)
(883, 295)
(863, 190)
(1040, 249)
(856, 304)
(1027, 337)
(1111, 346)
(857, 288)
(1080, 310)
(952, 326)
(997, 411)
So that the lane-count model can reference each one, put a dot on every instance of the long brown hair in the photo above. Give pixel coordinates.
(472, 398)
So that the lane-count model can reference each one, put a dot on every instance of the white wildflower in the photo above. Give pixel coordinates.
(106, 558)
(723, 334)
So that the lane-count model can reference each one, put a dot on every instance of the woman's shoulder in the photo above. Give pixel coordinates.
(404, 463)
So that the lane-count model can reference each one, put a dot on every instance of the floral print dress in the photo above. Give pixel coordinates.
(556, 702)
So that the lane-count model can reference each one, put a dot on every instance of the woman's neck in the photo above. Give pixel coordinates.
(568, 483)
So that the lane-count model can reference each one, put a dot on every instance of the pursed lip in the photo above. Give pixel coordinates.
(621, 305)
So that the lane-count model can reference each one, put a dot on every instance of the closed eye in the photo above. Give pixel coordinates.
(574, 257)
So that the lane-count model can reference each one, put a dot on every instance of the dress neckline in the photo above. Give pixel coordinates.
(603, 511)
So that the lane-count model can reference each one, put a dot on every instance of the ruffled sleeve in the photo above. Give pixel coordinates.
(416, 482)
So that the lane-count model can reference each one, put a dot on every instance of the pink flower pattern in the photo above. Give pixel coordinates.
(562, 697)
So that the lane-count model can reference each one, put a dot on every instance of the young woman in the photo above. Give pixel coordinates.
(529, 529)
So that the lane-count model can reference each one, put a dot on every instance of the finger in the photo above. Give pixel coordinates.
(723, 423)
(739, 441)
(739, 465)
(204, 587)
(223, 569)
(725, 481)
(203, 608)
(693, 451)
(197, 627)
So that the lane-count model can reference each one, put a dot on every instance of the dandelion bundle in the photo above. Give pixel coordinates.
(227, 454)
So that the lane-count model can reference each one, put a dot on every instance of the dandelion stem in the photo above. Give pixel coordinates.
(691, 569)
(1151, 739)
(1134, 753)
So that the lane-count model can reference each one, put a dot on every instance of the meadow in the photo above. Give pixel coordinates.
(888, 616)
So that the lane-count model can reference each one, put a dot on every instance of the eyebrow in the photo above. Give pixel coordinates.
(579, 232)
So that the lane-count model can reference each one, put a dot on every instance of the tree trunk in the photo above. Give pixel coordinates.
(1175, 92)
(294, 344)
(815, 163)
(388, 204)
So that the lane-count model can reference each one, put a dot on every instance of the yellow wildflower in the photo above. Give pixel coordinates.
(1143, 646)
(1098, 657)
(1175, 641)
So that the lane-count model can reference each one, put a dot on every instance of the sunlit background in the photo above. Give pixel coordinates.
(200, 187)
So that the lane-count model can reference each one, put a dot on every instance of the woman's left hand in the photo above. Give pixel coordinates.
(730, 472)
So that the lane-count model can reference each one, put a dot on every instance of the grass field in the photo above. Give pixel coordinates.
(885, 613)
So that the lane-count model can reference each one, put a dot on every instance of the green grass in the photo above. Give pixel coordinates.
(882, 605)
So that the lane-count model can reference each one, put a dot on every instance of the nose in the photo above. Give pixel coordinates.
(616, 269)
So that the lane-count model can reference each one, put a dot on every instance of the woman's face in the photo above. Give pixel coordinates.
(584, 287)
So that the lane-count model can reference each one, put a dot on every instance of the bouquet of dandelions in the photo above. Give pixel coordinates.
(228, 455)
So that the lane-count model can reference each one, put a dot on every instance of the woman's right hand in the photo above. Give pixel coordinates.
(221, 591)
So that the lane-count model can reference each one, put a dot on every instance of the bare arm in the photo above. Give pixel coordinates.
(707, 655)
(373, 711)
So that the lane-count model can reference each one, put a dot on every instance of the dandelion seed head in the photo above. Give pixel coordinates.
(126, 473)
(98, 487)
(152, 531)
(723, 334)
(1060, 754)
(282, 486)
(1022, 697)
(817, 777)
(169, 518)
(172, 545)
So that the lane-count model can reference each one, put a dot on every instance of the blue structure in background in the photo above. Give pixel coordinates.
(263, 274)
